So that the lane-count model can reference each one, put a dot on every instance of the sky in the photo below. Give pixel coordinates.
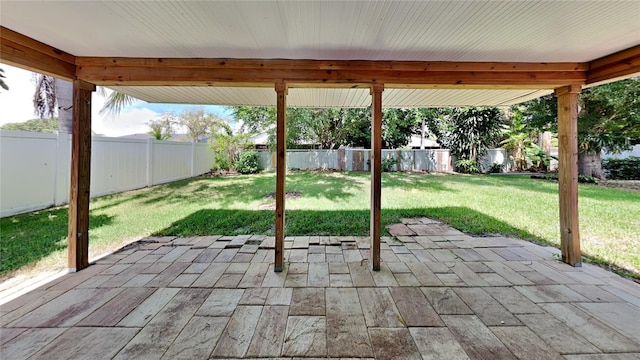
(16, 106)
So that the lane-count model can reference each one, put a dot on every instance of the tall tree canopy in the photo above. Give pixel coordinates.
(330, 128)
(469, 132)
(608, 119)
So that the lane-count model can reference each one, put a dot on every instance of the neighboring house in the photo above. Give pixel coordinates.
(260, 141)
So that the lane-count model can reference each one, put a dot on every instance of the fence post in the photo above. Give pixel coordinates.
(150, 144)
(193, 159)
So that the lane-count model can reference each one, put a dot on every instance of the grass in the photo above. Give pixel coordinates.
(331, 204)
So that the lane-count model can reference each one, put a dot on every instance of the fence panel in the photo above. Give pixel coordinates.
(28, 168)
(171, 161)
(36, 167)
(117, 165)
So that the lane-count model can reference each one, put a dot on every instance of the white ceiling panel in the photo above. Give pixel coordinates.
(531, 31)
(313, 97)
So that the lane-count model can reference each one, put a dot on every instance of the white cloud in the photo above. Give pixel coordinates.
(16, 106)
(130, 121)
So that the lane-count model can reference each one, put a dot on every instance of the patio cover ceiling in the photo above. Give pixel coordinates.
(485, 32)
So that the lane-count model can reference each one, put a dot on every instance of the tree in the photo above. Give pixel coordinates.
(162, 129)
(49, 125)
(330, 128)
(517, 138)
(198, 123)
(55, 96)
(228, 146)
(608, 119)
(2, 83)
(470, 132)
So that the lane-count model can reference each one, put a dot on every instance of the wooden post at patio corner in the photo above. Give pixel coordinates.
(376, 174)
(281, 172)
(568, 173)
(80, 176)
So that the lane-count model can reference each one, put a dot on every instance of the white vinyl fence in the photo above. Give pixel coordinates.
(635, 151)
(35, 168)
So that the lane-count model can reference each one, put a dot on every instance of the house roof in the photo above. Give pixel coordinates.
(568, 32)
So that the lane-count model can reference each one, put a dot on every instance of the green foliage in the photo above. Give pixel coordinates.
(622, 169)
(49, 125)
(330, 128)
(115, 102)
(469, 132)
(389, 164)
(496, 168)
(517, 139)
(467, 166)
(199, 124)
(608, 118)
(539, 159)
(228, 147)
(2, 83)
(162, 129)
(582, 179)
(247, 162)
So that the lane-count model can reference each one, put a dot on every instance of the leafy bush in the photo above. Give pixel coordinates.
(582, 179)
(496, 168)
(467, 167)
(540, 160)
(388, 164)
(622, 169)
(247, 162)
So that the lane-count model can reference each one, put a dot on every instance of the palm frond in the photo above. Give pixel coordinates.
(116, 101)
(44, 97)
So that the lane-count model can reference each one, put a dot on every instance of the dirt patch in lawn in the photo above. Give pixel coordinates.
(621, 184)
(289, 195)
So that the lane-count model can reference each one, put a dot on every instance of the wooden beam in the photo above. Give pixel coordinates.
(376, 174)
(21, 51)
(568, 174)
(143, 76)
(80, 176)
(615, 66)
(281, 172)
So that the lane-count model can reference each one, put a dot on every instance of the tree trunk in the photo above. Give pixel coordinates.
(64, 97)
(590, 164)
(545, 144)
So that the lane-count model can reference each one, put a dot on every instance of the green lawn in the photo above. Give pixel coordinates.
(332, 204)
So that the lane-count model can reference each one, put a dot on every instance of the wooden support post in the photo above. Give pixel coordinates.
(376, 174)
(568, 173)
(80, 176)
(281, 172)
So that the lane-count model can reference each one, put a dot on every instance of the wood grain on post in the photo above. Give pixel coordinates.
(281, 172)
(376, 174)
(568, 173)
(80, 176)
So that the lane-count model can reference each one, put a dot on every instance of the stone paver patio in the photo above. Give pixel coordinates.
(440, 294)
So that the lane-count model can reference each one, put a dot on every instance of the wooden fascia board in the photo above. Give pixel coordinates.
(24, 52)
(618, 65)
(216, 72)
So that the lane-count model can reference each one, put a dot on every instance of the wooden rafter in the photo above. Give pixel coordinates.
(614, 66)
(19, 50)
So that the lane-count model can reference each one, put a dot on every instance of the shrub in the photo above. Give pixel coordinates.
(496, 168)
(388, 164)
(622, 169)
(467, 167)
(247, 162)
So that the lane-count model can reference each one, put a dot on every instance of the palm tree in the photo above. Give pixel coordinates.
(2, 83)
(55, 95)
